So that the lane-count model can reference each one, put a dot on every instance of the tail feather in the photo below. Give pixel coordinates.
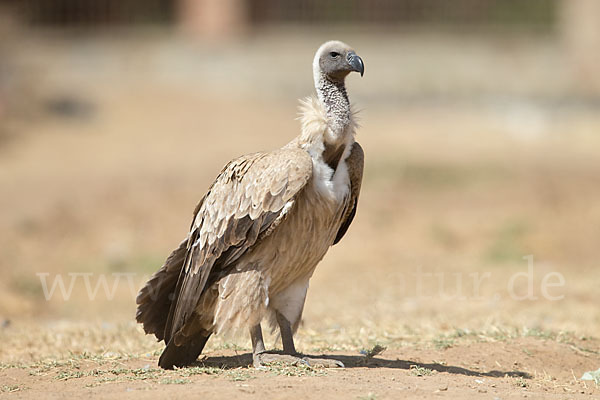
(155, 298)
(184, 355)
(154, 303)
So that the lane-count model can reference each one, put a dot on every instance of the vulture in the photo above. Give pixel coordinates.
(261, 229)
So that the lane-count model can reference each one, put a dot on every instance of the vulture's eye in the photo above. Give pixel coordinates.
(334, 54)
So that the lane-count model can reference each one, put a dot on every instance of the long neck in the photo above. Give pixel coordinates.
(332, 94)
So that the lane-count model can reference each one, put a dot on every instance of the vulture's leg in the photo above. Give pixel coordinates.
(258, 345)
(289, 356)
(287, 338)
(287, 335)
(259, 355)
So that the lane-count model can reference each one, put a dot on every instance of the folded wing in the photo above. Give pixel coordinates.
(247, 201)
(354, 163)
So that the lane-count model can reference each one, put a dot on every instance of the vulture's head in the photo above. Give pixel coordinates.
(336, 60)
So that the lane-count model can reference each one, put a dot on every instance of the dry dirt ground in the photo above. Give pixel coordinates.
(471, 268)
(513, 368)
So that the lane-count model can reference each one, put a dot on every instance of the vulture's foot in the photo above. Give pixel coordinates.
(263, 359)
(323, 362)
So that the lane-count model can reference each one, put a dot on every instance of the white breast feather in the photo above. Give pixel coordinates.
(315, 131)
(334, 187)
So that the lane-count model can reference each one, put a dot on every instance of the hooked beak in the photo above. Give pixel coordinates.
(356, 63)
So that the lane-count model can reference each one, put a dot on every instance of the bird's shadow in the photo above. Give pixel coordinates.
(245, 360)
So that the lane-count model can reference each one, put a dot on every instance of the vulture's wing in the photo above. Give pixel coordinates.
(354, 163)
(247, 201)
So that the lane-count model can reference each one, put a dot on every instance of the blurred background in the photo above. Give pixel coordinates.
(480, 122)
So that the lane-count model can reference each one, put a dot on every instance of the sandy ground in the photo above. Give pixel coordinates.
(473, 258)
(521, 368)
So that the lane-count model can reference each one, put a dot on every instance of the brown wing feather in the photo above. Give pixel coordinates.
(355, 163)
(155, 298)
(246, 201)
